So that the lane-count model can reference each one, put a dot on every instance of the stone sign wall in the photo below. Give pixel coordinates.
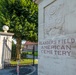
(57, 37)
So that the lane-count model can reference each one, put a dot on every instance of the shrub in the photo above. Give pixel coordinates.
(23, 55)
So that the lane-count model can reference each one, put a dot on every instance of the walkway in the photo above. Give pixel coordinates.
(12, 71)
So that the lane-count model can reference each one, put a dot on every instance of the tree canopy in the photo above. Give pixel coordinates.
(22, 18)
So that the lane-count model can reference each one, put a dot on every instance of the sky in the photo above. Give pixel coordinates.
(23, 41)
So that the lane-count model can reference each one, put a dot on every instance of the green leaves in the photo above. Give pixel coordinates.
(21, 16)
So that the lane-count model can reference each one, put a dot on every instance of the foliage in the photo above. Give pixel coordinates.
(35, 53)
(21, 17)
(23, 55)
(13, 54)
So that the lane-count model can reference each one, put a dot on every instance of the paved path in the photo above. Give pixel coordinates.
(12, 71)
(36, 72)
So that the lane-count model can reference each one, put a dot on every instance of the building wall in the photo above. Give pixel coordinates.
(30, 47)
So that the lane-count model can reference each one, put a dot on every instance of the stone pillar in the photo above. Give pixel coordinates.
(5, 48)
(57, 37)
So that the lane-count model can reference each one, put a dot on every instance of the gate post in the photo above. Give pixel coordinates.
(5, 46)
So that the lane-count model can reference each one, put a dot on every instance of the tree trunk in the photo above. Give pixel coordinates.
(18, 47)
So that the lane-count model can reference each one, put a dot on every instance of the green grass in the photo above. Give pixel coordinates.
(24, 62)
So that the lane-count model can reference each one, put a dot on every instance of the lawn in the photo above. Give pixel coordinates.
(24, 62)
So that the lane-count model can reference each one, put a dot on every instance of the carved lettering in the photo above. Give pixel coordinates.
(57, 47)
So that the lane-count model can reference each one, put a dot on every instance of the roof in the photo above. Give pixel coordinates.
(30, 43)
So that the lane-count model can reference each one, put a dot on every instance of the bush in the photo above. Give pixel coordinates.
(36, 53)
(31, 53)
(23, 55)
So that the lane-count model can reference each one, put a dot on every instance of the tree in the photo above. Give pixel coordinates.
(21, 17)
(13, 54)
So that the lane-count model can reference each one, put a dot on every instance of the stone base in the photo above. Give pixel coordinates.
(1, 66)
